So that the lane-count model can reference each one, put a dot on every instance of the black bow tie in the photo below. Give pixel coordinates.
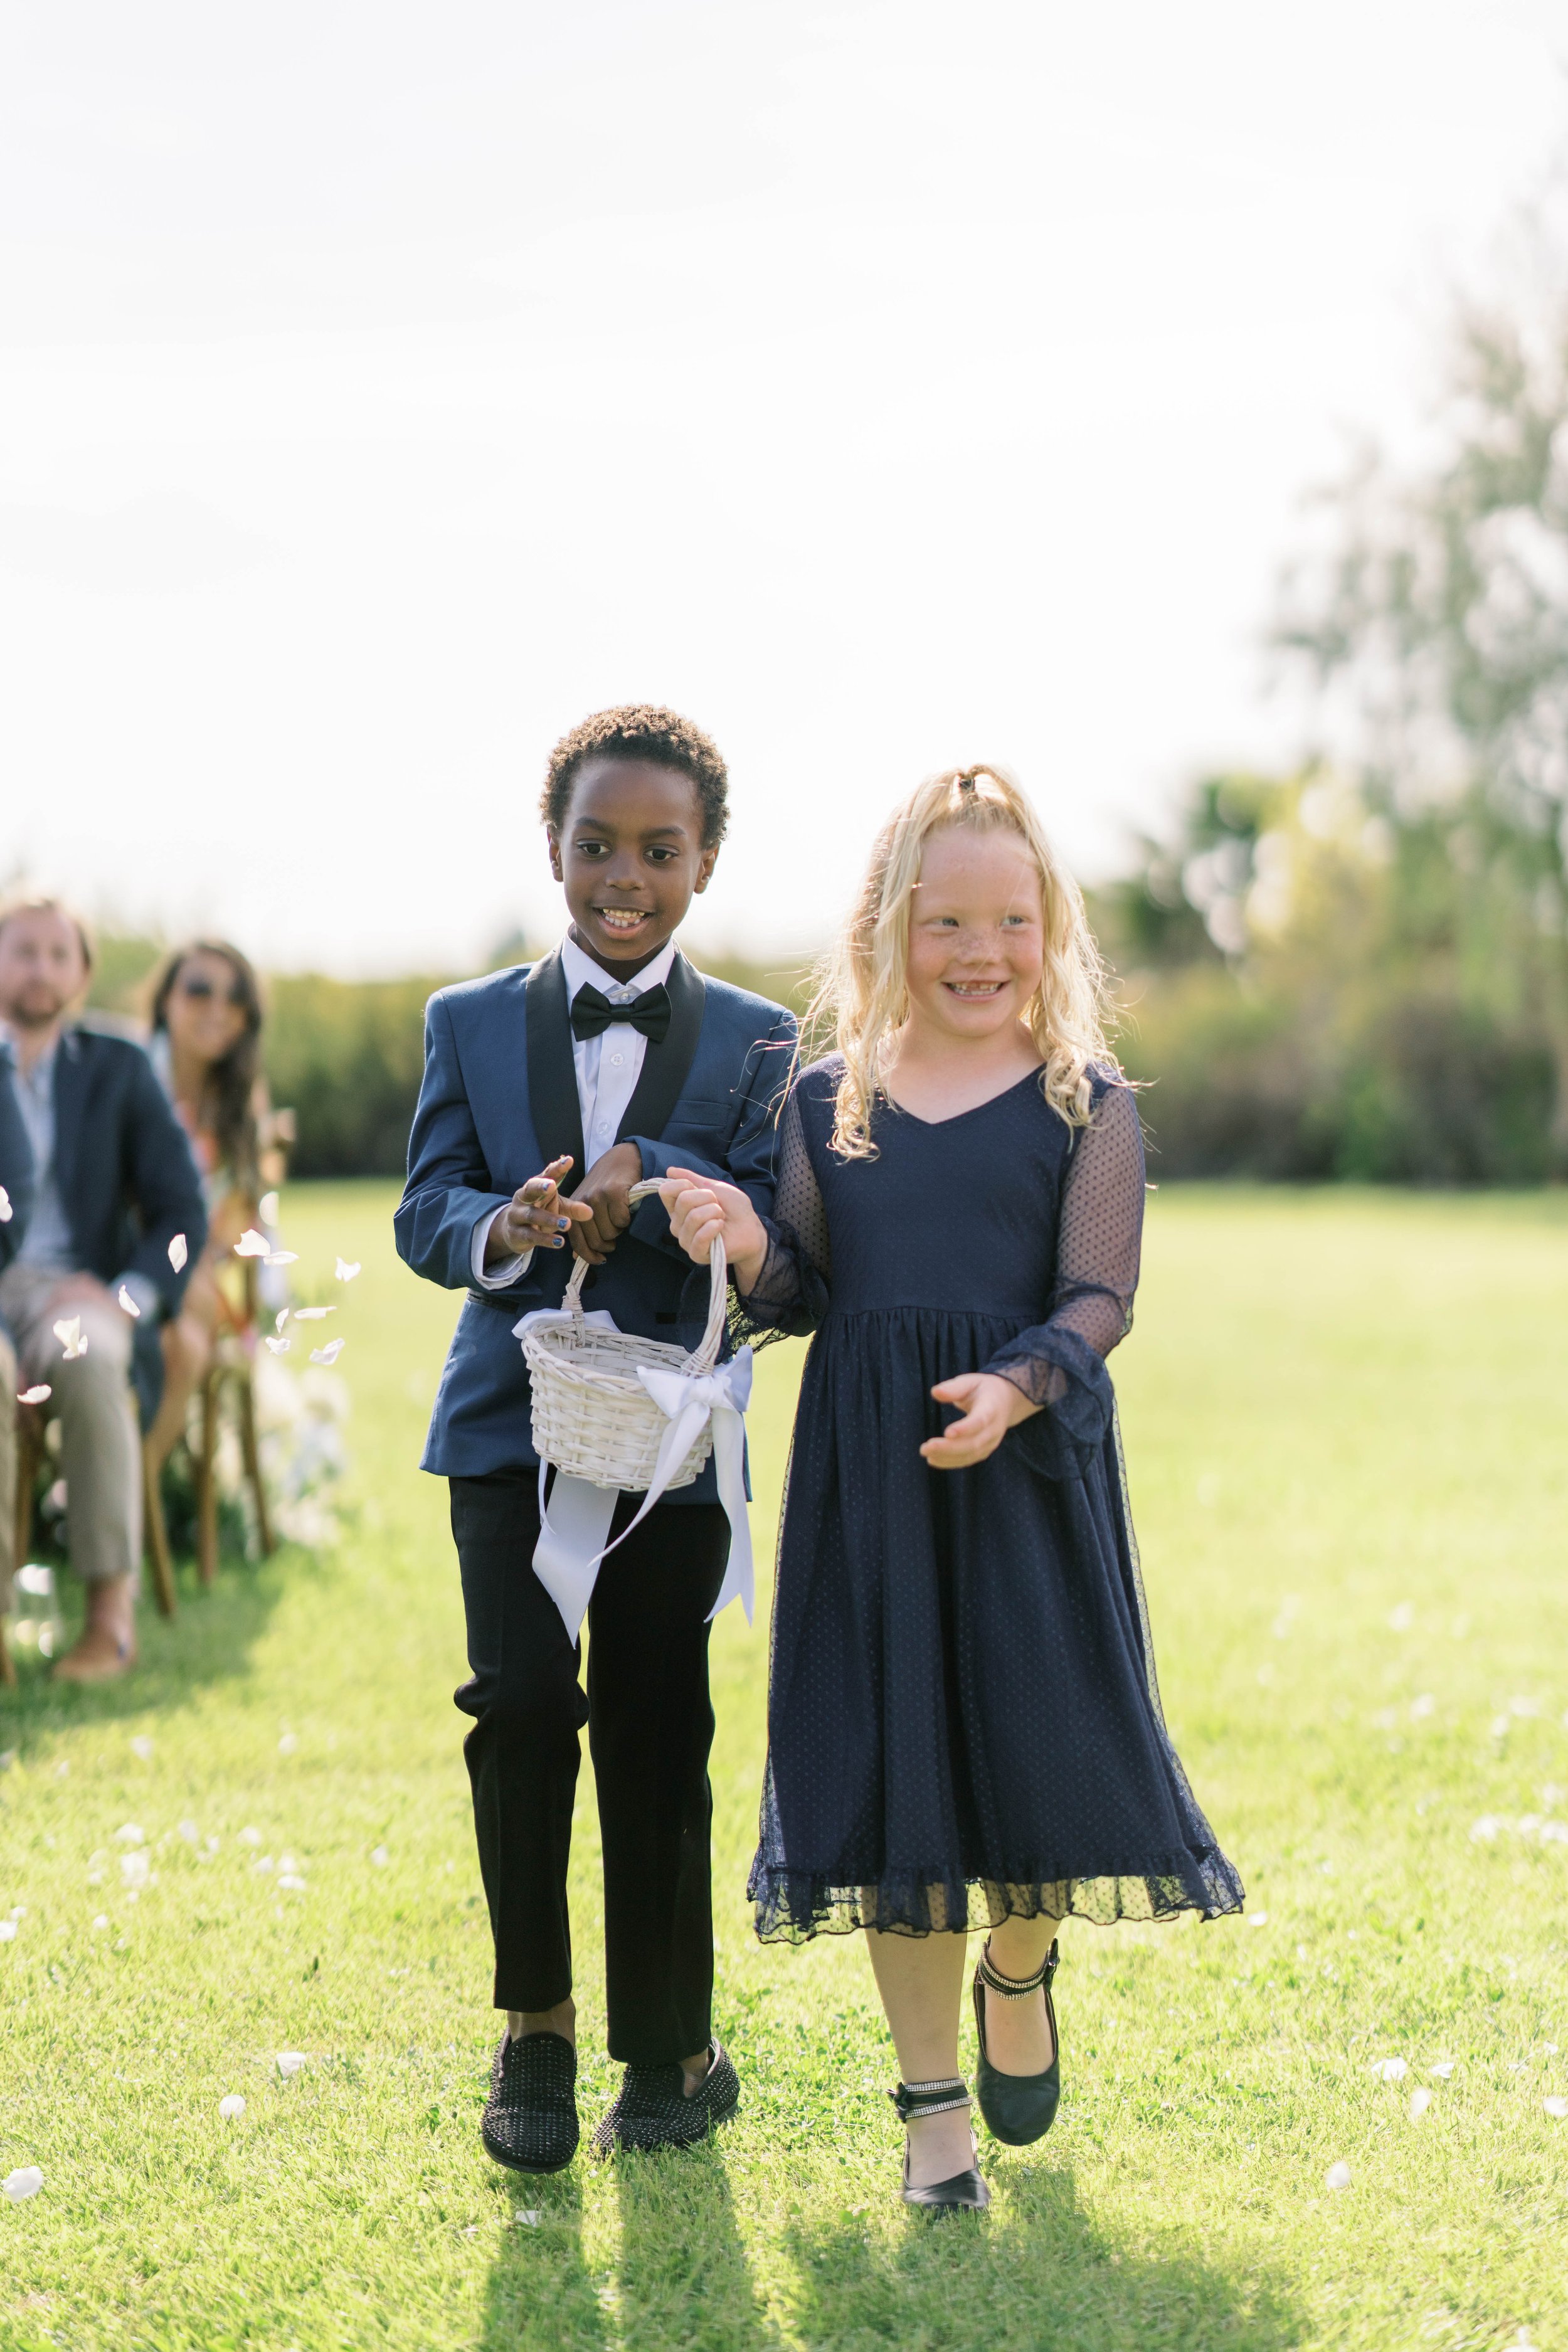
(592, 1012)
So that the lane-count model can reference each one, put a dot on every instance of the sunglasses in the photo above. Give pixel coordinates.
(202, 991)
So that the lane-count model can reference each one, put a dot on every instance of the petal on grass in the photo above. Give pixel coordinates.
(287, 1744)
(1443, 2069)
(1419, 2103)
(100, 1922)
(1338, 2176)
(129, 1834)
(232, 2107)
(1557, 2108)
(24, 2183)
(527, 2218)
(1391, 2070)
(179, 1250)
(292, 1880)
(142, 1746)
(7, 1930)
(288, 2063)
(380, 1856)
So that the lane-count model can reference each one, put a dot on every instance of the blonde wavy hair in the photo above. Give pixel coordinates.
(862, 996)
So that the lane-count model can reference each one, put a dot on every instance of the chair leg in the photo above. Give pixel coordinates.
(253, 1462)
(206, 1483)
(157, 1534)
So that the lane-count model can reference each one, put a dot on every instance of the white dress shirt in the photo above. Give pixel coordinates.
(608, 1067)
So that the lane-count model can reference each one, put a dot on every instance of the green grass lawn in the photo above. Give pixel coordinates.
(1344, 1424)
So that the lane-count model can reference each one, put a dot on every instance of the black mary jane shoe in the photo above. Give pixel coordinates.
(1018, 2109)
(965, 2191)
(652, 2109)
(530, 2123)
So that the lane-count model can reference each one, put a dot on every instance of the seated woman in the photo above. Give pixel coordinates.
(206, 1046)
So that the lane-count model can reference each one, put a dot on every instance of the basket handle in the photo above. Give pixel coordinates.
(706, 1354)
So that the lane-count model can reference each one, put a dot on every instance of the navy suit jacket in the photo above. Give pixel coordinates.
(499, 1101)
(15, 1171)
(127, 1181)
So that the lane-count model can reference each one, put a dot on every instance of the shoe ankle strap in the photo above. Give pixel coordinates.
(913, 2100)
(1016, 1988)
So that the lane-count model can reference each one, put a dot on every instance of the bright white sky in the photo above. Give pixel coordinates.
(886, 384)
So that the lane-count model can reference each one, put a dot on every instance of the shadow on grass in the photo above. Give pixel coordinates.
(682, 2281)
(1033, 2271)
(541, 2295)
(208, 1639)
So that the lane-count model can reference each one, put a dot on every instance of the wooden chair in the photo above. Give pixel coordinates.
(31, 1421)
(234, 1360)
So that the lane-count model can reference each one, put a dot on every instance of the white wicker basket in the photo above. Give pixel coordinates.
(593, 1418)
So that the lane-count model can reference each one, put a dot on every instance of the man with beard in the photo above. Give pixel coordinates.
(116, 1221)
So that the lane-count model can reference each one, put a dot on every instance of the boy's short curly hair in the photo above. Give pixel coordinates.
(641, 730)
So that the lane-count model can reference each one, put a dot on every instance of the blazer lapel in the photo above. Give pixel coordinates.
(667, 1066)
(553, 1108)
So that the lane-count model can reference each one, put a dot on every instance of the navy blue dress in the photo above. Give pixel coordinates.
(963, 1720)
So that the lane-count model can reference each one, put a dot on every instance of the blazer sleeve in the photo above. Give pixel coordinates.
(449, 1188)
(749, 1157)
(15, 1171)
(163, 1186)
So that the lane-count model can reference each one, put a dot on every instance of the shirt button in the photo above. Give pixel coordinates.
(617, 1059)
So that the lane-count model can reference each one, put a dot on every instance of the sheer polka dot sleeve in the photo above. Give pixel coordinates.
(789, 1294)
(1060, 1364)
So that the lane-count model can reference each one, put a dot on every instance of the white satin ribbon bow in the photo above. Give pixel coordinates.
(572, 1533)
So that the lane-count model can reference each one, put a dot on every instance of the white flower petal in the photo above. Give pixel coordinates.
(68, 1331)
(38, 1395)
(289, 2063)
(7, 1930)
(100, 1922)
(346, 1273)
(277, 1347)
(527, 2218)
(129, 1834)
(232, 2107)
(380, 1856)
(127, 1305)
(142, 1746)
(283, 1314)
(1419, 2103)
(292, 1880)
(8, 1212)
(1338, 2176)
(1257, 1918)
(287, 1744)
(1391, 2070)
(1557, 2107)
(135, 1870)
(312, 1314)
(328, 1354)
(179, 1250)
(250, 1837)
(252, 1245)
(1443, 2069)
(24, 2183)
(282, 1257)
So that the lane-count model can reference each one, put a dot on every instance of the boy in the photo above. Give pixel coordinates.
(613, 1060)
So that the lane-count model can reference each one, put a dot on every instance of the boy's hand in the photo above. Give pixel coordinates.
(602, 1199)
(536, 1217)
(701, 1208)
(992, 1406)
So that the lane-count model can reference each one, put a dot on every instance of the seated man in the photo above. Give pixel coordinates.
(15, 1208)
(117, 1201)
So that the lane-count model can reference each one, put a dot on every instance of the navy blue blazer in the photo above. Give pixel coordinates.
(498, 1102)
(127, 1181)
(16, 1168)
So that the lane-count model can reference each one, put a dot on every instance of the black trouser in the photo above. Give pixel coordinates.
(650, 1726)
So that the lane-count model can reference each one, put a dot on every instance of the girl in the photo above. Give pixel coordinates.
(962, 1709)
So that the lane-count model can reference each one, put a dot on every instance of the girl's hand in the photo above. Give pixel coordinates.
(700, 1208)
(992, 1406)
(536, 1217)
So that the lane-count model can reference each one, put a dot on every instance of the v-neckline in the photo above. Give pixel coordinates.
(1029, 1079)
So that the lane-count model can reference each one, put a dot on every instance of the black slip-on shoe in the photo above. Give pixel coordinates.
(529, 2122)
(1019, 2108)
(960, 2191)
(652, 2110)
